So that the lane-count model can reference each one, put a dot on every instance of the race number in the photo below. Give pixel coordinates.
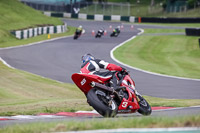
(124, 104)
(83, 81)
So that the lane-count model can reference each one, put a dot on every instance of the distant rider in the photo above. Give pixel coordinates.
(117, 30)
(101, 31)
(79, 30)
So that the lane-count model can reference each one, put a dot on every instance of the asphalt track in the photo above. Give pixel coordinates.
(59, 59)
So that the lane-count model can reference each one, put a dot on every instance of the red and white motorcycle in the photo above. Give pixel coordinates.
(108, 102)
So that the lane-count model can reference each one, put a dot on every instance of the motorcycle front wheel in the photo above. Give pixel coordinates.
(97, 99)
(112, 34)
(145, 108)
(75, 37)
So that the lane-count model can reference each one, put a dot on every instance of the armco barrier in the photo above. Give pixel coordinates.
(32, 32)
(170, 20)
(192, 31)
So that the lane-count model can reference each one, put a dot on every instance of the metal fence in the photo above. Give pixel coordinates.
(82, 7)
(53, 2)
(123, 9)
(106, 8)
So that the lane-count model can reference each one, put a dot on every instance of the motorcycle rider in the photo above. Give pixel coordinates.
(117, 30)
(100, 32)
(91, 65)
(79, 30)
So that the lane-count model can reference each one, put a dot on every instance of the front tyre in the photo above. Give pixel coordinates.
(145, 108)
(97, 99)
(75, 37)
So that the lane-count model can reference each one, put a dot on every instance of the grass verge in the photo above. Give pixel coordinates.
(171, 55)
(107, 123)
(25, 93)
(14, 15)
(163, 30)
(17, 42)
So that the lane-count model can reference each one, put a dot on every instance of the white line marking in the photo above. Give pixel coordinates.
(93, 111)
(5, 63)
(176, 108)
(136, 130)
(23, 117)
(138, 69)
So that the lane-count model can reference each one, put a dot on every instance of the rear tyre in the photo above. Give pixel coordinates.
(105, 107)
(145, 108)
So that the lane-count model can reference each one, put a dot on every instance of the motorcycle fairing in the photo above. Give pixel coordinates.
(129, 104)
(83, 81)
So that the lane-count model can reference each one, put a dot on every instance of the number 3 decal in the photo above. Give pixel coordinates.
(124, 104)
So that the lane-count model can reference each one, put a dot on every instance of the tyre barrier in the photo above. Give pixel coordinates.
(192, 31)
(32, 32)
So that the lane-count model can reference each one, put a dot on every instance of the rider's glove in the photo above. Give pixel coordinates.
(124, 72)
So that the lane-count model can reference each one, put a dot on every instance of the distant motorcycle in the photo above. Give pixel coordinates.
(115, 33)
(77, 34)
(99, 33)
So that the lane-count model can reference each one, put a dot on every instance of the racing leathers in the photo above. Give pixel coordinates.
(79, 31)
(94, 67)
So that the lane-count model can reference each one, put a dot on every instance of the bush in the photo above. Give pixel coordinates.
(191, 3)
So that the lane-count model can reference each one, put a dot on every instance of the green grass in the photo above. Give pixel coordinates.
(163, 31)
(107, 123)
(15, 15)
(171, 55)
(161, 102)
(107, 10)
(12, 41)
(24, 93)
(190, 13)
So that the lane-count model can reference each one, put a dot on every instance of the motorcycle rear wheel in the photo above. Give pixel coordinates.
(145, 108)
(98, 103)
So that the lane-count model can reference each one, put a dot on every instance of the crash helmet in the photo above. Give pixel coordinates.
(118, 27)
(80, 26)
(87, 57)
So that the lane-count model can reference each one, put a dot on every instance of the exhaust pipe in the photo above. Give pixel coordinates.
(101, 86)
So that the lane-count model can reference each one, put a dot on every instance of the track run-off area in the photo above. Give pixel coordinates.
(58, 59)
